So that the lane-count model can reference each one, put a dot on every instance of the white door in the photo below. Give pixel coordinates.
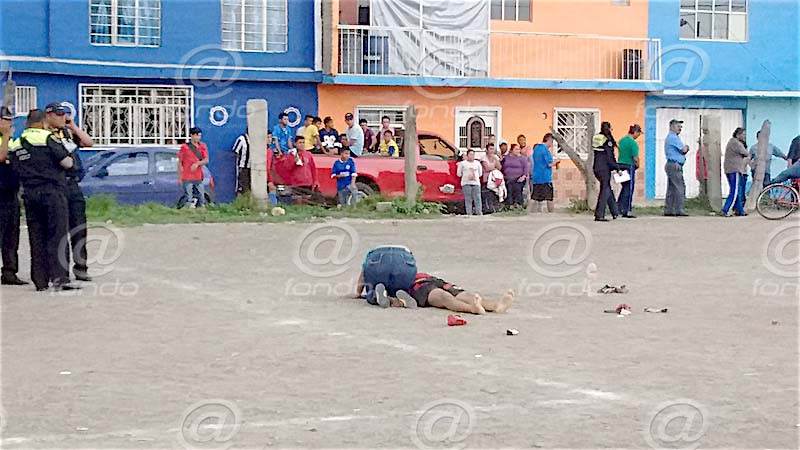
(474, 126)
(730, 119)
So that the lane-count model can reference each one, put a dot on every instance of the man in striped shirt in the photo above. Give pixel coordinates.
(242, 150)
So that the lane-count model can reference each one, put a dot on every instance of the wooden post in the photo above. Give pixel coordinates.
(584, 167)
(713, 138)
(761, 167)
(410, 154)
(257, 129)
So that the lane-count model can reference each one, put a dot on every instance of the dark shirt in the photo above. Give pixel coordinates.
(8, 178)
(36, 158)
(77, 172)
(794, 150)
(604, 153)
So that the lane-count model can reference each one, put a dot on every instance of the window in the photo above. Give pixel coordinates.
(724, 20)
(25, 99)
(136, 115)
(431, 147)
(125, 22)
(474, 134)
(255, 25)
(574, 126)
(132, 164)
(518, 10)
(373, 115)
(166, 163)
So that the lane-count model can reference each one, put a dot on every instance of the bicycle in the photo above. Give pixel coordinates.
(779, 200)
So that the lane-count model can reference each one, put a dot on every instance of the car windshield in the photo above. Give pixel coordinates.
(97, 158)
(432, 147)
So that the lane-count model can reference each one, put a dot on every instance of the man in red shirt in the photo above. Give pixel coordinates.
(303, 179)
(192, 156)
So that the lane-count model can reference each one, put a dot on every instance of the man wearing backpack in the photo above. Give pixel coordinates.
(192, 156)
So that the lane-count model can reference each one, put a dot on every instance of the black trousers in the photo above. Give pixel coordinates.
(243, 181)
(606, 196)
(515, 194)
(491, 203)
(9, 231)
(47, 217)
(76, 206)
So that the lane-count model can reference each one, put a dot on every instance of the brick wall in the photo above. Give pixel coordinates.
(568, 183)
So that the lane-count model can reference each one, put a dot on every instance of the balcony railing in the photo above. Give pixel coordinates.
(416, 52)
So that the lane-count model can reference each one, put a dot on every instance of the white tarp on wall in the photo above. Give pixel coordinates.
(443, 38)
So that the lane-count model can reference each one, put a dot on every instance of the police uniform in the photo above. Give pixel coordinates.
(604, 164)
(9, 222)
(36, 158)
(76, 206)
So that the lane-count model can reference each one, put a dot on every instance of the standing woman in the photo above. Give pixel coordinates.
(735, 165)
(604, 163)
(516, 169)
(490, 162)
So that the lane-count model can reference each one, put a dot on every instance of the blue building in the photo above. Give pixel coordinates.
(142, 72)
(736, 59)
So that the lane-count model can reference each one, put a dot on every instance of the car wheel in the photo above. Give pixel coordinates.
(365, 190)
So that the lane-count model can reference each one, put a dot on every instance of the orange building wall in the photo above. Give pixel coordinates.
(523, 112)
(598, 17)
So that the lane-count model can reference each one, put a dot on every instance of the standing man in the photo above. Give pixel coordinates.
(40, 160)
(386, 125)
(542, 174)
(354, 137)
(676, 152)
(311, 133)
(370, 140)
(242, 150)
(9, 205)
(72, 138)
(526, 149)
(628, 160)
(192, 156)
(771, 151)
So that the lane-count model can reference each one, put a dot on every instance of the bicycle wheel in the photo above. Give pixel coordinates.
(777, 201)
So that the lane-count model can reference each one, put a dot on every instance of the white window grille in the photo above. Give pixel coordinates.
(574, 126)
(24, 99)
(724, 20)
(255, 25)
(136, 114)
(516, 10)
(125, 22)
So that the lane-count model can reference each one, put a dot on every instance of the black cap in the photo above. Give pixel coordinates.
(5, 113)
(675, 122)
(56, 108)
(348, 116)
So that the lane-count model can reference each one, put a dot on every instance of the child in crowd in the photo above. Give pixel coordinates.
(389, 146)
(344, 171)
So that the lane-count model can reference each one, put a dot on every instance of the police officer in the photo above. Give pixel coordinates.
(604, 163)
(40, 161)
(72, 138)
(9, 205)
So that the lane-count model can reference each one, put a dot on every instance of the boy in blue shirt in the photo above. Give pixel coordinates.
(344, 171)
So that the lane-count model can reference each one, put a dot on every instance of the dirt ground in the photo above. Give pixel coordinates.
(233, 336)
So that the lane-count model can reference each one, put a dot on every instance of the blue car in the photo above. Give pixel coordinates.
(136, 175)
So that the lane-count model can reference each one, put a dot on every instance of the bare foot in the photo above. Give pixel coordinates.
(478, 307)
(504, 303)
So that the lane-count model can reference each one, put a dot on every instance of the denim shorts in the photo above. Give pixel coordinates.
(395, 267)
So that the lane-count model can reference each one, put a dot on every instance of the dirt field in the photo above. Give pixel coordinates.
(227, 336)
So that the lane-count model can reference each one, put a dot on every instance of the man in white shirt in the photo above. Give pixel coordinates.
(470, 172)
(354, 136)
(242, 150)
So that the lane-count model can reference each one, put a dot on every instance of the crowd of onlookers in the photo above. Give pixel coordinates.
(506, 176)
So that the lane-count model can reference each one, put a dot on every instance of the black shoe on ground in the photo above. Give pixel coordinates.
(42, 288)
(82, 276)
(681, 215)
(601, 219)
(13, 281)
(669, 215)
(628, 216)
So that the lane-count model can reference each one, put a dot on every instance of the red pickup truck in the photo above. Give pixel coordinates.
(436, 172)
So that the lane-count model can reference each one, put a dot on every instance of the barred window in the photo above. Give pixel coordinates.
(574, 126)
(516, 10)
(137, 114)
(724, 20)
(125, 22)
(255, 25)
(25, 99)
